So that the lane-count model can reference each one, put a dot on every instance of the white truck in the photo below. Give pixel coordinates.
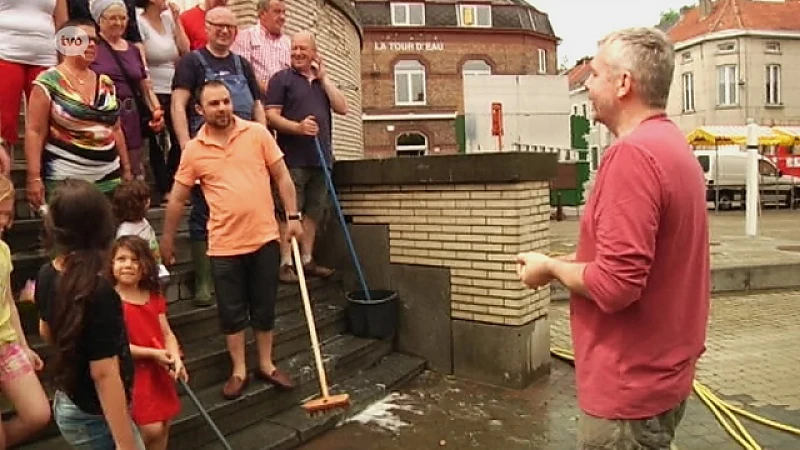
(725, 171)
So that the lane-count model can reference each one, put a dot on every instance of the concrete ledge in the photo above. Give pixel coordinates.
(501, 355)
(449, 169)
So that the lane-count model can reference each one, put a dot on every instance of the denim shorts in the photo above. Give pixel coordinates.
(85, 431)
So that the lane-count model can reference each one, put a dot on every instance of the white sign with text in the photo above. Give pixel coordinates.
(430, 46)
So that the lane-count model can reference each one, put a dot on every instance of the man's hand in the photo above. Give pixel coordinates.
(34, 188)
(308, 127)
(533, 269)
(294, 229)
(167, 247)
(319, 69)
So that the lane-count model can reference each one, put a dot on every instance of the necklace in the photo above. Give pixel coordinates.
(81, 81)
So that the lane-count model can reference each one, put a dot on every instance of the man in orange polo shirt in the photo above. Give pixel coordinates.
(234, 160)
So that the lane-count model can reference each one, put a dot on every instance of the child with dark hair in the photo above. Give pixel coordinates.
(153, 344)
(82, 318)
(131, 201)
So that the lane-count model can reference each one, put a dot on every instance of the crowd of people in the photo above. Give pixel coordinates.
(207, 114)
(224, 115)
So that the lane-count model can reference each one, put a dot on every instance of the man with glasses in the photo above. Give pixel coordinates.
(194, 22)
(213, 62)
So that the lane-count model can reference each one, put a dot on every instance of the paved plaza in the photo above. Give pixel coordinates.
(752, 360)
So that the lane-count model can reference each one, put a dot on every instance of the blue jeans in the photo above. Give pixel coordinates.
(85, 431)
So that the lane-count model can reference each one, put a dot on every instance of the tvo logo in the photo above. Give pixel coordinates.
(72, 41)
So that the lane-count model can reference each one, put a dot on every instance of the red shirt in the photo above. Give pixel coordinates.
(194, 22)
(644, 236)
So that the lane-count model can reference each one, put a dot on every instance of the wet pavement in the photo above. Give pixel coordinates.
(752, 360)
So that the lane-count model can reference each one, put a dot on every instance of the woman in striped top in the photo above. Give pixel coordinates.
(72, 127)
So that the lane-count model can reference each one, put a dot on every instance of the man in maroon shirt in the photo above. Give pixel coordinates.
(640, 277)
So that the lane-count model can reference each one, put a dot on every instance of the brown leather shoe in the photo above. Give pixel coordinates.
(286, 274)
(279, 378)
(314, 269)
(234, 387)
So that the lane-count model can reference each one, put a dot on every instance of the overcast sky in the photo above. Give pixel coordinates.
(581, 23)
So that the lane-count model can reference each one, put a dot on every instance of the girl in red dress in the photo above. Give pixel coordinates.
(153, 345)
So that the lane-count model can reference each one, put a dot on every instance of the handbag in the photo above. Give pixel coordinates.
(145, 115)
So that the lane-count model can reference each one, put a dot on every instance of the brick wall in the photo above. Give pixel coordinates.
(473, 229)
(440, 134)
(507, 52)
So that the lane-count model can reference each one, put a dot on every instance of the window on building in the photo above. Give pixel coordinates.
(542, 60)
(476, 67)
(574, 110)
(475, 15)
(688, 92)
(687, 57)
(408, 14)
(585, 110)
(772, 47)
(726, 47)
(773, 84)
(409, 83)
(411, 144)
(728, 82)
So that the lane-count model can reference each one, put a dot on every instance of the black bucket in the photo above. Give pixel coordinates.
(375, 318)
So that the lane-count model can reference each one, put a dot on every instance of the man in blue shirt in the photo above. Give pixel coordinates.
(299, 101)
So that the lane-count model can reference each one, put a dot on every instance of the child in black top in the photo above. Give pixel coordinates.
(82, 317)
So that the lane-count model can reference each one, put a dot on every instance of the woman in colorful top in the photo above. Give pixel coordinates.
(72, 128)
(27, 48)
(18, 380)
(122, 61)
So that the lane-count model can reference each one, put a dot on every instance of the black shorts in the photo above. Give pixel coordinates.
(247, 288)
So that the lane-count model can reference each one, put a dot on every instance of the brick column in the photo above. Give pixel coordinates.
(490, 208)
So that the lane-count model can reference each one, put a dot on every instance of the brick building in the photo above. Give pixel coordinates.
(416, 53)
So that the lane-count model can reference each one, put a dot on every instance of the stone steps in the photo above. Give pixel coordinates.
(343, 354)
(293, 427)
(264, 417)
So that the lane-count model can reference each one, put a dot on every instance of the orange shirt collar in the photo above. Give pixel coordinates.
(239, 126)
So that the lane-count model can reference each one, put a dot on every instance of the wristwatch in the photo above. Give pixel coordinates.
(298, 216)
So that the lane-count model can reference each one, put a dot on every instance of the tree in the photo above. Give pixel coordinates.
(668, 19)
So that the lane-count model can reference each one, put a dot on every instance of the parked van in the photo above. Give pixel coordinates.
(726, 179)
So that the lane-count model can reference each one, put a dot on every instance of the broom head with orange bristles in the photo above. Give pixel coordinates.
(326, 404)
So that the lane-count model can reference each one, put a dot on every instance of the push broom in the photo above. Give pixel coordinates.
(326, 402)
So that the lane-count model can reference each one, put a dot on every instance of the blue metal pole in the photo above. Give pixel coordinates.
(340, 214)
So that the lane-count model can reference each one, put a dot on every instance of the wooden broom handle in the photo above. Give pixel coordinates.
(312, 328)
